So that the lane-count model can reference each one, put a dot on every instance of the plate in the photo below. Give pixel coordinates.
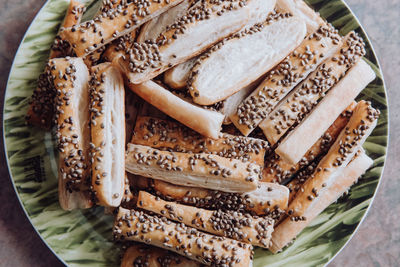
(83, 238)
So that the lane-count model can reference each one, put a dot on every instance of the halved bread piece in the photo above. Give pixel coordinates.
(284, 77)
(202, 26)
(193, 169)
(268, 199)
(203, 121)
(243, 57)
(297, 142)
(177, 76)
(276, 170)
(301, 9)
(113, 23)
(350, 140)
(168, 135)
(107, 114)
(232, 224)
(132, 225)
(144, 255)
(70, 78)
(288, 229)
(304, 97)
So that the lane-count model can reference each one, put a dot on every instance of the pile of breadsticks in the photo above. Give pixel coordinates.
(206, 127)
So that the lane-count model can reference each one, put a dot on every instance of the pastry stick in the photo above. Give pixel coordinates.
(224, 69)
(297, 142)
(117, 47)
(70, 78)
(288, 229)
(350, 140)
(303, 98)
(107, 113)
(142, 255)
(113, 23)
(177, 76)
(41, 105)
(203, 121)
(190, 35)
(232, 224)
(268, 199)
(301, 9)
(284, 77)
(276, 170)
(164, 134)
(160, 232)
(198, 170)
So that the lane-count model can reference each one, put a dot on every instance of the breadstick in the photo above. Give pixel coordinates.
(163, 134)
(159, 231)
(284, 77)
(203, 121)
(232, 224)
(113, 23)
(350, 140)
(199, 170)
(190, 35)
(139, 255)
(70, 79)
(298, 141)
(223, 70)
(288, 229)
(107, 112)
(305, 96)
(276, 170)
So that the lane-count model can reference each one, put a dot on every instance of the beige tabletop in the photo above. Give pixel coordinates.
(377, 242)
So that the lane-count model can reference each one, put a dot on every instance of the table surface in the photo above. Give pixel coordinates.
(377, 242)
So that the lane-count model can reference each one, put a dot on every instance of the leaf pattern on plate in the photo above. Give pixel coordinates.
(83, 238)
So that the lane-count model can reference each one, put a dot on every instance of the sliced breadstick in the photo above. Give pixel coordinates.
(232, 224)
(113, 23)
(305, 96)
(131, 225)
(284, 77)
(177, 76)
(199, 170)
(276, 170)
(164, 134)
(203, 121)
(301, 9)
(298, 141)
(71, 79)
(151, 30)
(268, 199)
(221, 71)
(72, 17)
(139, 255)
(287, 230)
(107, 113)
(350, 140)
(202, 26)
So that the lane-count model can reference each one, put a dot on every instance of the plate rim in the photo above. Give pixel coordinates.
(372, 199)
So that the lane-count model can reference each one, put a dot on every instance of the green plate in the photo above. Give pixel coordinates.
(83, 238)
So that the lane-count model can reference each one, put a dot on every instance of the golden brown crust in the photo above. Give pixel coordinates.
(350, 140)
(276, 170)
(288, 229)
(107, 113)
(159, 231)
(298, 142)
(113, 23)
(232, 224)
(199, 170)
(164, 134)
(306, 95)
(70, 78)
(140, 255)
(203, 121)
(314, 49)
